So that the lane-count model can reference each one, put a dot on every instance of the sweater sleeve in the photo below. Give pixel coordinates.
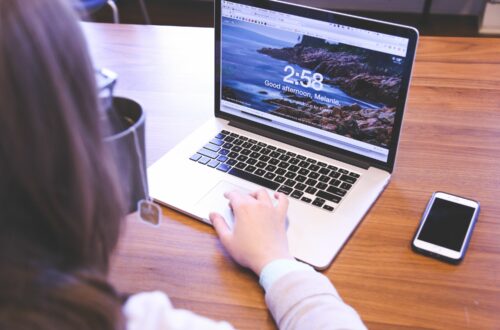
(154, 311)
(308, 300)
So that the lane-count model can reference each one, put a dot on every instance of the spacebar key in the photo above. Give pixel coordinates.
(254, 178)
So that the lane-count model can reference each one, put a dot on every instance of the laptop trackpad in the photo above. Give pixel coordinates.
(214, 201)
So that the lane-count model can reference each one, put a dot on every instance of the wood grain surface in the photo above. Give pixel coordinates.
(450, 142)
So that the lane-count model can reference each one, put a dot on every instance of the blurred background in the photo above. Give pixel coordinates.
(432, 17)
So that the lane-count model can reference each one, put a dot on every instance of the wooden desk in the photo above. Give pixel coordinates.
(450, 142)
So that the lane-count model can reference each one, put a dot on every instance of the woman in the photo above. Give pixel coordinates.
(61, 207)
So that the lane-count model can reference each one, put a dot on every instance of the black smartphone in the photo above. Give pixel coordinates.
(446, 227)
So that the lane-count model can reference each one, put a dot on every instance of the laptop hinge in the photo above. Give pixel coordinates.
(300, 144)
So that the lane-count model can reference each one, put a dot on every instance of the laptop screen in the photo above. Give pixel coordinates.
(328, 82)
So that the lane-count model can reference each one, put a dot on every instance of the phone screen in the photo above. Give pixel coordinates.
(447, 224)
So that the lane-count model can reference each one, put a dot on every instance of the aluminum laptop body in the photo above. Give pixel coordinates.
(316, 100)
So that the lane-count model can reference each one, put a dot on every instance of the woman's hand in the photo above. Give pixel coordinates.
(259, 231)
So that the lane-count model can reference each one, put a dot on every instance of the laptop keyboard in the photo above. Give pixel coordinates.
(306, 179)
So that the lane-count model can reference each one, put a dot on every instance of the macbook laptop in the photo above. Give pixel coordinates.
(309, 103)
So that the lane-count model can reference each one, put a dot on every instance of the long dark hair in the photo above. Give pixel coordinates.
(60, 206)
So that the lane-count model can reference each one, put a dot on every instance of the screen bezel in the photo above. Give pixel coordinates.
(338, 18)
(440, 250)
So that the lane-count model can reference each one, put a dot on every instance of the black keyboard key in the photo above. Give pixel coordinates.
(250, 168)
(260, 172)
(207, 153)
(294, 161)
(324, 171)
(223, 152)
(232, 154)
(231, 162)
(321, 164)
(318, 202)
(270, 168)
(310, 160)
(346, 186)
(304, 164)
(328, 208)
(236, 149)
(291, 154)
(280, 179)
(293, 168)
(264, 158)
(255, 148)
(241, 165)
(271, 147)
(306, 199)
(290, 175)
(251, 161)
(324, 178)
(284, 158)
(290, 183)
(261, 164)
(261, 144)
(300, 186)
(213, 163)
(335, 182)
(255, 155)
(241, 158)
(348, 179)
(297, 194)
(311, 182)
(223, 167)
(333, 168)
(243, 138)
(356, 175)
(265, 151)
(274, 154)
(301, 157)
(283, 165)
(254, 178)
(321, 185)
(269, 175)
(228, 143)
(238, 142)
(246, 145)
(334, 175)
(300, 178)
(252, 141)
(281, 150)
(234, 135)
(341, 170)
(303, 171)
(224, 132)
(328, 197)
(246, 152)
(311, 190)
(203, 160)
(336, 191)
(313, 175)
(314, 168)
(229, 139)
(217, 142)
(274, 161)
(280, 171)
(285, 190)
(195, 157)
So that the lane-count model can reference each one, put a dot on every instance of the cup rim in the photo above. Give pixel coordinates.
(132, 127)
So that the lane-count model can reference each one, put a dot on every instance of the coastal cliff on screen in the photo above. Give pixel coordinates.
(321, 83)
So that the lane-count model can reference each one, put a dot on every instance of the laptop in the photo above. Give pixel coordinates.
(308, 102)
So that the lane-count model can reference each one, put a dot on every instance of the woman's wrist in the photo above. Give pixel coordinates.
(276, 269)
